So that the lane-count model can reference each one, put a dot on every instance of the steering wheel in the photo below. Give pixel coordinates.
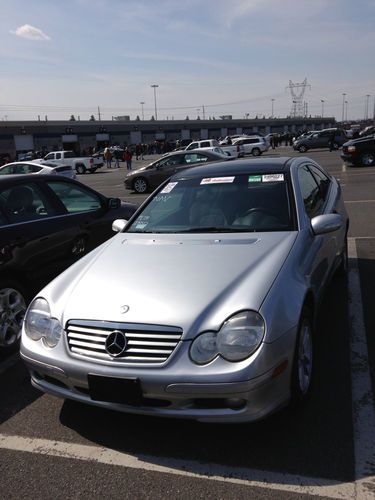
(259, 210)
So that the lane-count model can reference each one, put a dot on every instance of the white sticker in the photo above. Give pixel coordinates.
(140, 226)
(168, 188)
(217, 180)
(273, 178)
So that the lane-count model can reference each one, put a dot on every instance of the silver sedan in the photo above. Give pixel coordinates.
(203, 305)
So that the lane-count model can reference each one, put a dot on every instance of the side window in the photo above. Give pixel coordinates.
(75, 198)
(310, 191)
(50, 156)
(205, 144)
(322, 180)
(35, 168)
(6, 170)
(173, 160)
(58, 156)
(195, 158)
(25, 202)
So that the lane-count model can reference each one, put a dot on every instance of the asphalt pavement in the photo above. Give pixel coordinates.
(52, 448)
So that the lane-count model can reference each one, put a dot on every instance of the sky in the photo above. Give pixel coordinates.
(208, 57)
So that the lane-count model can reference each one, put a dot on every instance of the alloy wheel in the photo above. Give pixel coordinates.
(12, 312)
(305, 357)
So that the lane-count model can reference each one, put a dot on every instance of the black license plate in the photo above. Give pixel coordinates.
(115, 390)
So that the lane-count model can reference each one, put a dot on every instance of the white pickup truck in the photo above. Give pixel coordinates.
(230, 150)
(81, 164)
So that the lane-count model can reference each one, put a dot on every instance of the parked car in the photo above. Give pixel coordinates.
(46, 222)
(236, 151)
(367, 131)
(360, 152)
(254, 145)
(208, 297)
(30, 167)
(81, 164)
(149, 177)
(320, 140)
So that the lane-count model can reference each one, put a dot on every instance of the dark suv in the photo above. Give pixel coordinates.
(360, 152)
(320, 140)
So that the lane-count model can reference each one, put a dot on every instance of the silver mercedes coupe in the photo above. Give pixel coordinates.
(203, 305)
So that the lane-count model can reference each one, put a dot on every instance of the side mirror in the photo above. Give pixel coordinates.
(118, 225)
(328, 223)
(114, 203)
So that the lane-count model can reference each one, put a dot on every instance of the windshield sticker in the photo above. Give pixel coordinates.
(273, 178)
(142, 221)
(254, 178)
(218, 180)
(163, 198)
(168, 188)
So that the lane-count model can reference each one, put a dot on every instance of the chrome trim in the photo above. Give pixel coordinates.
(146, 344)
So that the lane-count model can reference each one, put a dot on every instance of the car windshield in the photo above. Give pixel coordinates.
(238, 203)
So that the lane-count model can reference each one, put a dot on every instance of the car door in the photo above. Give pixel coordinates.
(87, 212)
(36, 236)
(164, 169)
(323, 248)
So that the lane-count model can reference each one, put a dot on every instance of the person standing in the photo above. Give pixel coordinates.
(331, 141)
(128, 158)
(107, 157)
(117, 156)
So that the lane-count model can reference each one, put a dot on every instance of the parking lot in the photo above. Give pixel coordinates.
(55, 448)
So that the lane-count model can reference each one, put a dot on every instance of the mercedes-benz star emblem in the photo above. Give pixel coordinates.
(115, 343)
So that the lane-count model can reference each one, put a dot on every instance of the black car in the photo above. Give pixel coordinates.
(359, 152)
(46, 223)
(151, 176)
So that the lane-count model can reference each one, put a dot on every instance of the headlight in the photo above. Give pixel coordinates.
(351, 149)
(204, 348)
(40, 325)
(239, 337)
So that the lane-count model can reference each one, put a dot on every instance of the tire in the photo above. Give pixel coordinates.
(140, 185)
(13, 304)
(256, 152)
(80, 169)
(302, 148)
(368, 159)
(303, 362)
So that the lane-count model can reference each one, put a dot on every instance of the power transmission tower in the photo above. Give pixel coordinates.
(297, 90)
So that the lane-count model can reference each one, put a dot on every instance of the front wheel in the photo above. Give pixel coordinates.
(302, 370)
(13, 303)
(302, 149)
(368, 159)
(80, 169)
(255, 152)
(140, 185)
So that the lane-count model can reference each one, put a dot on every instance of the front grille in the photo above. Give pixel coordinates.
(146, 344)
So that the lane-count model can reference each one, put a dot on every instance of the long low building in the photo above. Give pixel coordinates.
(22, 136)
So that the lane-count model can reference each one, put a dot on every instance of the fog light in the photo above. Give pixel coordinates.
(235, 403)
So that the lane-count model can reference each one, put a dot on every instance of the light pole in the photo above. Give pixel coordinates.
(367, 106)
(346, 111)
(156, 112)
(343, 106)
(143, 115)
(322, 101)
(272, 101)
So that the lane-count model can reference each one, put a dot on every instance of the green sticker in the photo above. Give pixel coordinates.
(255, 178)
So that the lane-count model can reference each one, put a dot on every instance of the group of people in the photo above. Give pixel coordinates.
(118, 155)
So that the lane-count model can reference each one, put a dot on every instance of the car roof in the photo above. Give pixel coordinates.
(236, 167)
(13, 179)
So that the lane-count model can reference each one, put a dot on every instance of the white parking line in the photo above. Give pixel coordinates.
(359, 201)
(187, 468)
(363, 425)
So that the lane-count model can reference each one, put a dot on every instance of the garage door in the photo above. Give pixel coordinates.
(24, 142)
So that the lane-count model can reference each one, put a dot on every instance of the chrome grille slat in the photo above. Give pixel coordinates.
(146, 344)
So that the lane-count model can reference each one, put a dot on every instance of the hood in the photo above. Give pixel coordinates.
(194, 283)
(366, 138)
(138, 169)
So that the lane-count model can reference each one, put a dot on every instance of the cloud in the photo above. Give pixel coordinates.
(27, 31)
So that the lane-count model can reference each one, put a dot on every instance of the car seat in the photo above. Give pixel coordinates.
(19, 204)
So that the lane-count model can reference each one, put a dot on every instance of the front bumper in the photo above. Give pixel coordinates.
(245, 395)
(347, 158)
